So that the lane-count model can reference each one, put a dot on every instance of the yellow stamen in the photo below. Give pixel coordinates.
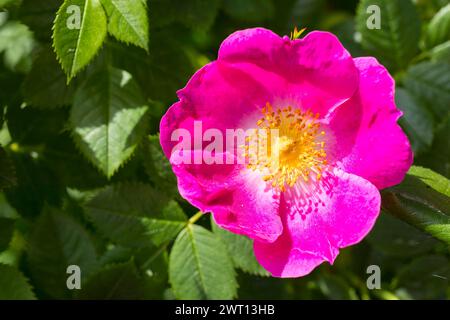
(297, 151)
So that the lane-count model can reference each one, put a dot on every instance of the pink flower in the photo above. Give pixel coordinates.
(338, 144)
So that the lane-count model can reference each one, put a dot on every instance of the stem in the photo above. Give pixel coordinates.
(195, 217)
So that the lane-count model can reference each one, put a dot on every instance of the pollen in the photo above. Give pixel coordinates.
(290, 147)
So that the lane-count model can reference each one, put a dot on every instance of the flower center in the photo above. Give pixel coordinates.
(294, 146)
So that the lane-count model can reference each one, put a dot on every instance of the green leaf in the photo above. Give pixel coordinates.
(441, 52)
(438, 30)
(13, 255)
(17, 44)
(13, 285)
(108, 118)
(120, 281)
(430, 83)
(158, 167)
(151, 259)
(78, 32)
(57, 242)
(199, 266)
(398, 239)
(431, 178)
(250, 10)
(135, 215)
(161, 73)
(240, 249)
(396, 42)
(424, 278)
(419, 205)
(417, 120)
(62, 156)
(128, 21)
(45, 85)
(438, 158)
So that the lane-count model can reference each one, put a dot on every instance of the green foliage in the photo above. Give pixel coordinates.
(39, 16)
(200, 267)
(56, 242)
(161, 73)
(430, 82)
(119, 281)
(83, 179)
(438, 30)
(431, 178)
(240, 249)
(16, 44)
(251, 10)
(127, 21)
(135, 215)
(78, 32)
(424, 278)
(194, 13)
(108, 118)
(13, 285)
(8, 218)
(417, 121)
(397, 40)
(438, 158)
(336, 288)
(158, 167)
(45, 85)
(416, 203)
(396, 238)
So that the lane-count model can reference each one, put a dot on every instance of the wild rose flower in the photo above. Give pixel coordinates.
(338, 144)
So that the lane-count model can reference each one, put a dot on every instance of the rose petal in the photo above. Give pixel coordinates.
(317, 68)
(237, 198)
(339, 213)
(369, 142)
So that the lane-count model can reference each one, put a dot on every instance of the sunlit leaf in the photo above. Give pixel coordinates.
(200, 267)
(431, 178)
(127, 21)
(108, 118)
(78, 32)
(418, 204)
